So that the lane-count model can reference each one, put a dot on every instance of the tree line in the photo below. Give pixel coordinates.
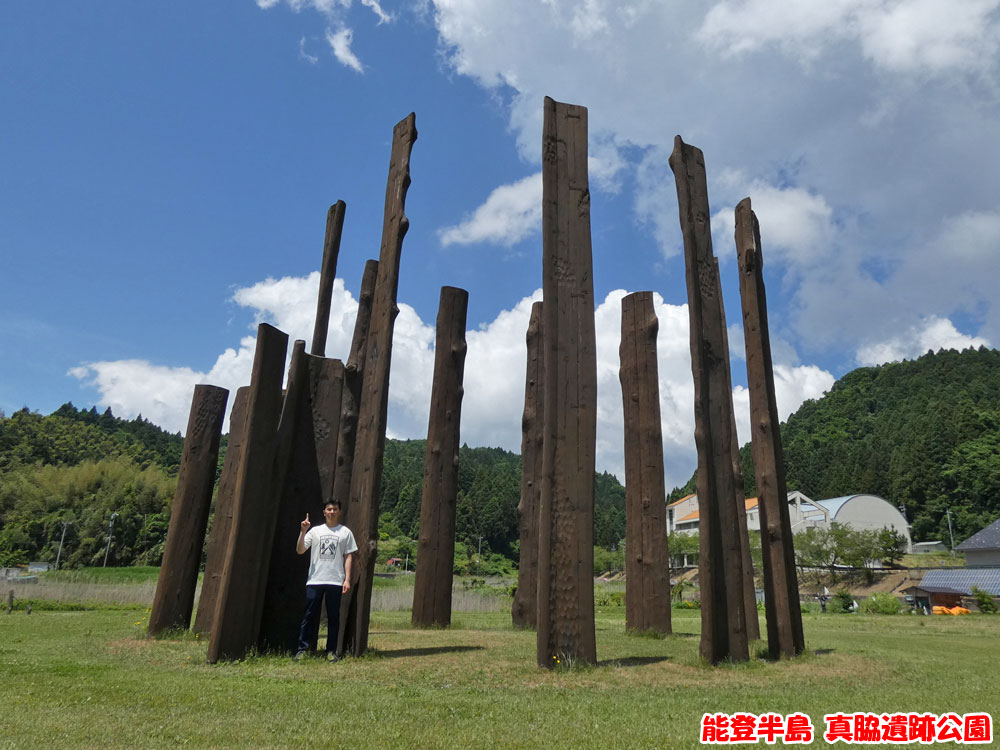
(923, 434)
(74, 468)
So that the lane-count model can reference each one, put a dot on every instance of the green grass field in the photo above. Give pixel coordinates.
(91, 680)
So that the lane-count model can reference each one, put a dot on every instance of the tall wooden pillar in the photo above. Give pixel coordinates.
(366, 479)
(174, 598)
(354, 375)
(781, 590)
(236, 620)
(566, 518)
(436, 546)
(222, 523)
(524, 610)
(740, 500)
(723, 620)
(647, 562)
(327, 275)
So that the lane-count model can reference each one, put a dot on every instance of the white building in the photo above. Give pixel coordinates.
(860, 512)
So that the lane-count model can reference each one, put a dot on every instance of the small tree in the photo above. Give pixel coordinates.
(984, 601)
(682, 544)
(891, 546)
(814, 548)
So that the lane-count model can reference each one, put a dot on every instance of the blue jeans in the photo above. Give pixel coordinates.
(309, 630)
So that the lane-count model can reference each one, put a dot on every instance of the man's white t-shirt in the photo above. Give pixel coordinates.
(328, 546)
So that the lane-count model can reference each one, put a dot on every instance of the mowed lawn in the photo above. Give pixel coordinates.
(91, 680)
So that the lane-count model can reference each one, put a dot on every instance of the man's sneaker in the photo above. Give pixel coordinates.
(300, 656)
(332, 657)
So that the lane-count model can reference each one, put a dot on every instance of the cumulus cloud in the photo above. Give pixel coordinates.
(163, 394)
(851, 124)
(508, 215)
(897, 35)
(494, 372)
(796, 225)
(930, 334)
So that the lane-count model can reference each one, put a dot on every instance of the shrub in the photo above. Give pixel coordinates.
(881, 604)
(842, 602)
(605, 598)
(984, 601)
(692, 604)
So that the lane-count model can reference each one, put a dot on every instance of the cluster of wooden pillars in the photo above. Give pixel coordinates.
(289, 451)
(554, 592)
(728, 608)
(324, 437)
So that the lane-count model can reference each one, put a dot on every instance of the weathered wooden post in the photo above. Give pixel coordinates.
(327, 274)
(236, 620)
(566, 517)
(723, 620)
(647, 562)
(749, 589)
(369, 448)
(740, 498)
(174, 598)
(436, 546)
(222, 524)
(781, 590)
(524, 610)
(354, 374)
(307, 439)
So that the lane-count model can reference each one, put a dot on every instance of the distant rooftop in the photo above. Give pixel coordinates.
(988, 538)
(963, 579)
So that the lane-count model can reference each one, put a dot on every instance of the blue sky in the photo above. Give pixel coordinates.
(166, 170)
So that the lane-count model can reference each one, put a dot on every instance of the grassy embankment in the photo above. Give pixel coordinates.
(90, 679)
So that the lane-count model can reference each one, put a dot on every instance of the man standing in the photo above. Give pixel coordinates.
(332, 551)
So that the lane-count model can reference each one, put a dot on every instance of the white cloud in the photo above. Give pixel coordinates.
(494, 378)
(897, 35)
(930, 334)
(311, 59)
(340, 43)
(494, 373)
(132, 386)
(508, 215)
(338, 34)
(383, 17)
(796, 225)
(851, 124)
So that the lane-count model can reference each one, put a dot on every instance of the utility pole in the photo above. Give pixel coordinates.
(950, 532)
(61, 540)
(111, 531)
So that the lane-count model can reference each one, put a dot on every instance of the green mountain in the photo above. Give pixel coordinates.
(924, 434)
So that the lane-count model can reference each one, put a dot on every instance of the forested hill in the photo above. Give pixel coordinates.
(924, 434)
(81, 466)
(69, 436)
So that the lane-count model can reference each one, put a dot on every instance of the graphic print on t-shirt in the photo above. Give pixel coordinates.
(328, 546)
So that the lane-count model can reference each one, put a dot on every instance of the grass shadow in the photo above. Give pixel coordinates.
(425, 651)
(632, 661)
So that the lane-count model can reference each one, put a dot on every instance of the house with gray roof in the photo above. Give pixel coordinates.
(982, 549)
